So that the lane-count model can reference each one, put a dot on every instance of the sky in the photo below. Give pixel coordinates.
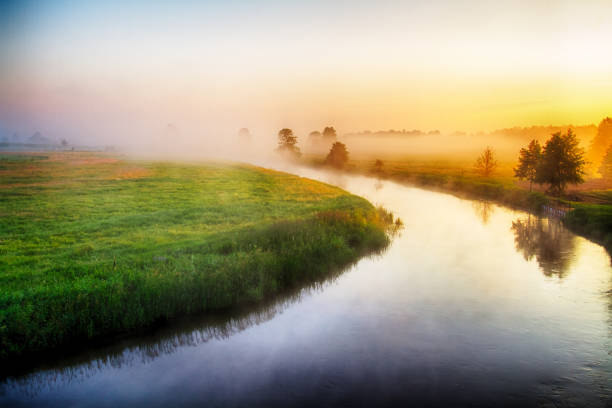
(118, 71)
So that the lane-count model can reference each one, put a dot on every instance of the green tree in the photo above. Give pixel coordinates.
(606, 165)
(337, 156)
(486, 163)
(529, 159)
(562, 162)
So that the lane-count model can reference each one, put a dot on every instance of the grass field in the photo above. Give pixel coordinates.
(93, 245)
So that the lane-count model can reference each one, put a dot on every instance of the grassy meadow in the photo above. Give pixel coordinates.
(93, 245)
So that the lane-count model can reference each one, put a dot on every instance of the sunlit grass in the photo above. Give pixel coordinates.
(93, 245)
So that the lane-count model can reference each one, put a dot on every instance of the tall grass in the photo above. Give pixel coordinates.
(85, 259)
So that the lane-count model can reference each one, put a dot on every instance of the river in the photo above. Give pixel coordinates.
(472, 304)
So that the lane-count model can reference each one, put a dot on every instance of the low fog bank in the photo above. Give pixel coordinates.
(459, 146)
(258, 146)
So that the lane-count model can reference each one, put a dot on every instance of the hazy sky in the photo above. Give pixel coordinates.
(114, 70)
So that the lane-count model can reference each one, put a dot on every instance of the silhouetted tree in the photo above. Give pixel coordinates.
(562, 162)
(329, 133)
(601, 141)
(338, 155)
(486, 163)
(606, 165)
(287, 142)
(529, 159)
(378, 166)
(64, 142)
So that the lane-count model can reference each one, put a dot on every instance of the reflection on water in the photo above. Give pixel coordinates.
(546, 240)
(378, 184)
(460, 310)
(484, 209)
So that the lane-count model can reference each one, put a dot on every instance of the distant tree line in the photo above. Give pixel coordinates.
(338, 154)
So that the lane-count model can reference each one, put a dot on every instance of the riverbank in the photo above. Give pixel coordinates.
(587, 213)
(95, 245)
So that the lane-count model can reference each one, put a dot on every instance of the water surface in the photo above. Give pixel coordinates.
(472, 305)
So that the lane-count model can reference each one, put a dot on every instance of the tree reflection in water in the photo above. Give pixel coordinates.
(546, 240)
(483, 209)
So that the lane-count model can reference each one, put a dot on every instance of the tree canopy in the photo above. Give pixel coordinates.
(287, 142)
(562, 162)
(486, 163)
(337, 156)
(529, 159)
(329, 133)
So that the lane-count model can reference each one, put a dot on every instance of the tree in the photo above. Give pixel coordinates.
(486, 163)
(337, 156)
(64, 143)
(244, 135)
(562, 162)
(314, 139)
(315, 135)
(606, 165)
(378, 166)
(529, 159)
(287, 142)
(329, 133)
(601, 141)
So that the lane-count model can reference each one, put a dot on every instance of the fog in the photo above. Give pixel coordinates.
(174, 141)
(117, 74)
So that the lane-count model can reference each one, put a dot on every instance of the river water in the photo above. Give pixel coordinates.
(472, 304)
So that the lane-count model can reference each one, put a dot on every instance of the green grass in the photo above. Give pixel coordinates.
(593, 221)
(91, 245)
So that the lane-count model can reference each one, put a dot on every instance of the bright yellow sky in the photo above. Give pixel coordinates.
(101, 71)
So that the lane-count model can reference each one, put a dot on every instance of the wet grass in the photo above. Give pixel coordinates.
(93, 245)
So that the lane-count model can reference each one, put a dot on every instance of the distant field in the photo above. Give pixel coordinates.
(94, 244)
